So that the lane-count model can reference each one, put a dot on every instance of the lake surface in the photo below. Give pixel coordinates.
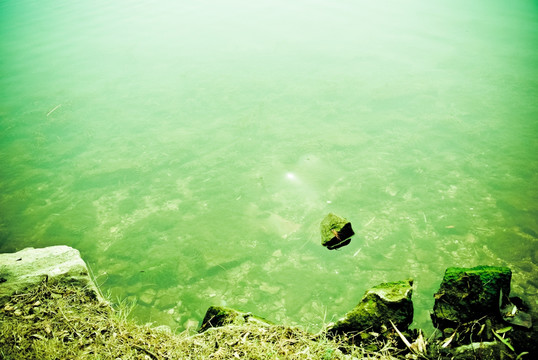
(190, 149)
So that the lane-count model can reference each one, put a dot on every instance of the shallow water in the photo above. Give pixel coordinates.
(189, 150)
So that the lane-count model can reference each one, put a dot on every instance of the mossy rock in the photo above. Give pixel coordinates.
(336, 231)
(217, 316)
(379, 306)
(468, 294)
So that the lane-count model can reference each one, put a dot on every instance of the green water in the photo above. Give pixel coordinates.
(189, 149)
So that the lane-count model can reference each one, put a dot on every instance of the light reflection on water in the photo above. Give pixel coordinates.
(191, 150)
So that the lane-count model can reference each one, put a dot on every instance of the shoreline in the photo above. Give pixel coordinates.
(50, 303)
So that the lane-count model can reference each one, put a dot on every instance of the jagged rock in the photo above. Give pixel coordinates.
(468, 294)
(30, 267)
(217, 316)
(335, 231)
(380, 305)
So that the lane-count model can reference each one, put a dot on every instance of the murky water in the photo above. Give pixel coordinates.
(189, 149)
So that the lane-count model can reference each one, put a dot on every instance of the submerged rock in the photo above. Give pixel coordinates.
(336, 231)
(468, 294)
(148, 296)
(217, 316)
(379, 306)
(30, 267)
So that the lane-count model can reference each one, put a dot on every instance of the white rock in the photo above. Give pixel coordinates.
(31, 266)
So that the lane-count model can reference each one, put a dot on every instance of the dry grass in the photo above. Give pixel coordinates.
(54, 321)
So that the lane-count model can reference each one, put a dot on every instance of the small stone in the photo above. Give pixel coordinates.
(217, 316)
(335, 231)
(486, 350)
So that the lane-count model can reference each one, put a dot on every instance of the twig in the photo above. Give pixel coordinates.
(503, 340)
(54, 109)
(67, 321)
(406, 342)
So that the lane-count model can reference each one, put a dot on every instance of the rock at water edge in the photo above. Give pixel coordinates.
(468, 294)
(30, 267)
(379, 306)
(217, 316)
